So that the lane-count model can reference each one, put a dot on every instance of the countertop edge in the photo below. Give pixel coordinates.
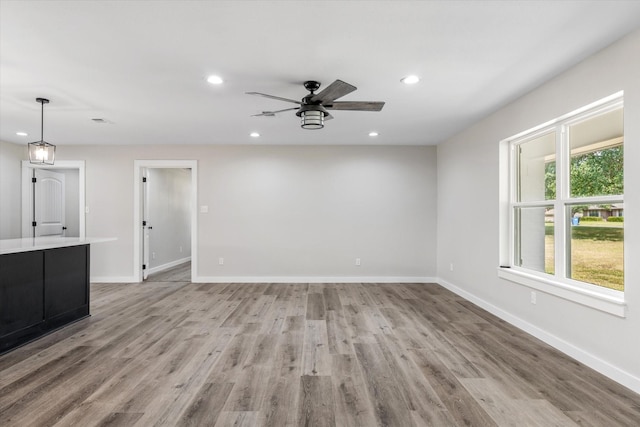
(12, 246)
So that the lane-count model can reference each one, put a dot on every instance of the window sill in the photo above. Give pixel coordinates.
(606, 303)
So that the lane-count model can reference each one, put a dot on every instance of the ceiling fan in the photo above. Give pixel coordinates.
(313, 109)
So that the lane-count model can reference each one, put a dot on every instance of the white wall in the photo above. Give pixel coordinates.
(468, 181)
(11, 156)
(169, 213)
(280, 212)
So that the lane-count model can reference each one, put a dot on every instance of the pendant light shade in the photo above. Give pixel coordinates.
(41, 152)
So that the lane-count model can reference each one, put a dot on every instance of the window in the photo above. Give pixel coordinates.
(566, 198)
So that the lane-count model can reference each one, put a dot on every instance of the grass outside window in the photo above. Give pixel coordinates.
(597, 254)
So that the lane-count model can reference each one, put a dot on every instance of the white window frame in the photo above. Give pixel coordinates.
(594, 296)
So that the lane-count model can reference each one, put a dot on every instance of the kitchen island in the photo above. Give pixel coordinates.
(44, 285)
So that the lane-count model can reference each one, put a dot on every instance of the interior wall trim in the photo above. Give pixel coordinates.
(279, 279)
(138, 166)
(113, 279)
(27, 171)
(312, 279)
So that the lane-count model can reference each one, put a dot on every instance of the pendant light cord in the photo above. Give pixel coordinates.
(42, 101)
(42, 121)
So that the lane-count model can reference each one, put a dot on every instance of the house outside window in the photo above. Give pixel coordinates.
(566, 200)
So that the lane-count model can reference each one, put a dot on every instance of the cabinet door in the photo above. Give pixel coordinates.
(21, 291)
(66, 280)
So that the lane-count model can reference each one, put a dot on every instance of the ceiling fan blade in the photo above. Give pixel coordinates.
(332, 92)
(274, 97)
(273, 113)
(355, 106)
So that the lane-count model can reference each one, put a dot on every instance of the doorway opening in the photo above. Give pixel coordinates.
(165, 220)
(53, 199)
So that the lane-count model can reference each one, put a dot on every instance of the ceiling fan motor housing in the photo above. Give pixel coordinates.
(308, 104)
(312, 107)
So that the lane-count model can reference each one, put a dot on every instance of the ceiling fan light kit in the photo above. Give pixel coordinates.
(313, 109)
(41, 152)
(311, 119)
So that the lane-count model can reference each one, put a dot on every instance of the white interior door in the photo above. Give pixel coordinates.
(74, 216)
(49, 203)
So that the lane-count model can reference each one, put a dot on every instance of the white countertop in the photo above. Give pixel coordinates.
(12, 246)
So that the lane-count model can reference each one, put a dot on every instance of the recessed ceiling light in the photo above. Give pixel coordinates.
(22, 133)
(373, 133)
(254, 134)
(410, 80)
(215, 80)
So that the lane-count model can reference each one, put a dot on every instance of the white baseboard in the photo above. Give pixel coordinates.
(168, 265)
(278, 279)
(311, 279)
(605, 368)
(113, 279)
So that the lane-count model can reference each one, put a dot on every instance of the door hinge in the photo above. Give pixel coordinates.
(34, 179)
(144, 223)
(34, 224)
(144, 266)
(144, 179)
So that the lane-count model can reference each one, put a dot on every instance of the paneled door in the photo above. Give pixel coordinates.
(49, 203)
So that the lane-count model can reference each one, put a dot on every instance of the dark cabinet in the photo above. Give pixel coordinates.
(40, 291)
(21, 291)
(65, 280)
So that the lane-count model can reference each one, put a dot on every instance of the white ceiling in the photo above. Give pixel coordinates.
(142, 65)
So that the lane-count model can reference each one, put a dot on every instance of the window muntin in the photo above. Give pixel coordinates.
(563, 174)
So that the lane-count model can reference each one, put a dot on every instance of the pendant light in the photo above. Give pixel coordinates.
(41, 152)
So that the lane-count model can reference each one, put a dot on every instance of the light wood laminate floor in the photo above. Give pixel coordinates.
(299, 355)
(179, 273)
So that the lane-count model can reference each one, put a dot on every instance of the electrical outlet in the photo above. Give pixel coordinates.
(358, 261)
(451, 267)
(180, 249)
(220, 261)
(153, 255)
(534, 298)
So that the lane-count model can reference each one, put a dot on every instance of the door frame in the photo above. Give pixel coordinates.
(138, 230)
(27, 196)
